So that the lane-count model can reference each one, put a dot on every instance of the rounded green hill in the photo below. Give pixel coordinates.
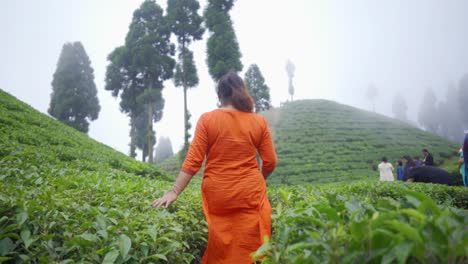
(324, 141)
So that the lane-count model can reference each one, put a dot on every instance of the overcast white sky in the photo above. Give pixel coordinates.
(338, 47)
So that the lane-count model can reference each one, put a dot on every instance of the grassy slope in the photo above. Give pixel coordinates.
(65, 198)
(323, 141)
(37, 138)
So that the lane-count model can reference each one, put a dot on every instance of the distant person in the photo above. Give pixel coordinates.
(428, 158)
(461, 166)
(386, 170)
(418, 162)
(429, 174)
(399, 171)
(409, 163)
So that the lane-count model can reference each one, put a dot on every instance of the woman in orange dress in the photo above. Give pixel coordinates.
(234, 191)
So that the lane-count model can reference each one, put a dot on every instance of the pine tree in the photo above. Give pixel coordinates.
(137, 72)
(163, 150)
(222, 46)
(399, 107)
(290, 70)
(427, 111)
(74, 95)
(449, 116)
(185, 23)
(257, 88)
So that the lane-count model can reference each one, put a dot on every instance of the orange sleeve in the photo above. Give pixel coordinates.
(198, 148)
(267, 150)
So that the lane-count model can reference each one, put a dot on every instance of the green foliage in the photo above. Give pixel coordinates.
(186, 71)
(322, 141)
(54, 214)
(367, 223)
(184, 20)
(74, 96)
(65, 198)
(142, 64)
(36, 138)
(259, 91)
(222, 46)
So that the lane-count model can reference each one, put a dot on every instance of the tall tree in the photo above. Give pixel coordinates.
(74, 96)
(371, 95)
(137, 72)
(463, 100)
(257, 88)
(163, 149)
(426, 116)
(399, 107)
(222, 46)
(449, 116)
(185, 23)
(290, 70)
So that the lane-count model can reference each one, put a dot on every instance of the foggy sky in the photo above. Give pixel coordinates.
(338, 47)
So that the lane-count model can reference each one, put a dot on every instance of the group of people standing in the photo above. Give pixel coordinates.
(416, 170)
(403, 169)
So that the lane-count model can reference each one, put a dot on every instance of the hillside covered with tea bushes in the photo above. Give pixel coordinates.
(65, 198)
(323, 141)
(37, 138)
(320, 141)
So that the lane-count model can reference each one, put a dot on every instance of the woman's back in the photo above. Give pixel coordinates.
(232, 139)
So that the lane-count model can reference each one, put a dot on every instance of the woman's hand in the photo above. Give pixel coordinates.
(166, 200)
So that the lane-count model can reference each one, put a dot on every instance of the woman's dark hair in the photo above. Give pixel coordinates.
(384, 159)
(425, 150)
(231, 90)
(400, 163)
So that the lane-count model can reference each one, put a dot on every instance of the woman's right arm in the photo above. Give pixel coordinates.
(192, 164)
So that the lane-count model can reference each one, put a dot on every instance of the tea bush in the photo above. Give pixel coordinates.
(65, 198)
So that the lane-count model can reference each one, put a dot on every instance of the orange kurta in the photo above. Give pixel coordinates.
(234, 191)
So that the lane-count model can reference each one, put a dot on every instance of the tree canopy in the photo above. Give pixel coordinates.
(222, 46)
(74, 98)
(186, 24)
(259, 91)
(138, 70)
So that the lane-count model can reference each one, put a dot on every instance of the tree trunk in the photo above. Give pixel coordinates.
(132, 137)
(150, 133)
(184, 84)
